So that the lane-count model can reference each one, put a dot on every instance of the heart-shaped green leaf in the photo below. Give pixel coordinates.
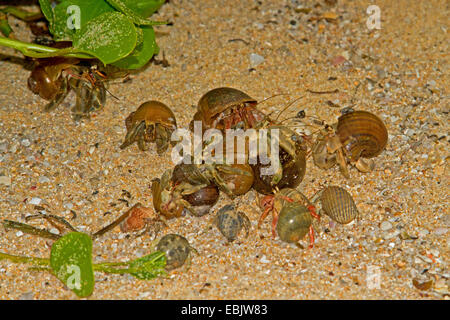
(122, 6)
(142, 53)
(144, 8)
(65, 24)
(109, 37)
(47, 11)
(71, 261)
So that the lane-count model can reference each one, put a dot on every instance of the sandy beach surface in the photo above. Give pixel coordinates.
(399, 72)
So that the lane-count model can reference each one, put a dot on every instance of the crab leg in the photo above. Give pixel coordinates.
(311, 237)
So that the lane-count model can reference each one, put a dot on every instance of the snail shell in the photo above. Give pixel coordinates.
(176, 248)
(294, 170)
(338, 204)
(230, 222)
(218, 100)
(362, 134)
(293, 222)
(152, 112)
(203, 200)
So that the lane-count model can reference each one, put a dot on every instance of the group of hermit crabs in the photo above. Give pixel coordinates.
(356, 138)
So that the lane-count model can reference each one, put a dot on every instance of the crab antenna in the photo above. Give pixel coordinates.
(118, 99)
(276, 95)
(279, 114)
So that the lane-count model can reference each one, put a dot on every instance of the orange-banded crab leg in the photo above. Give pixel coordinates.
(275, 215)
(312, 211)
(311, 236)
(267, 204)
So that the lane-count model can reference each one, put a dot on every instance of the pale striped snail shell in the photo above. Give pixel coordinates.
(338, 204)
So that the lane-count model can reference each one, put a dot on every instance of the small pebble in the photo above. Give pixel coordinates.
(5, 180)
(423, 233)
(390, 235)
(3, 147)
(385, 225)
(424, 258)
(434, 252)
(25, 142)
(35, 201)
(255, 60)
(43, 179)
(440, 231)
(27, 296)
(68, 205)
(259, 25)
(264, 259)
(19, 233)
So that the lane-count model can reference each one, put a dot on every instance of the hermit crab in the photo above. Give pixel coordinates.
(171, 198)
(176, 249)
(230, 222)
(292, 214)
(356, 137)
(53, 78)
(227, 108)
(233, 179)
(291, 162)
(153, 121)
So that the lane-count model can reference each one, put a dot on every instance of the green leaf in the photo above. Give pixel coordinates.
(47, 11)
(5, 28)
(109, 37)
(149, 266)
(144, 8)
(142, 53)
(71, 261)
(121, 6)
(88, 10)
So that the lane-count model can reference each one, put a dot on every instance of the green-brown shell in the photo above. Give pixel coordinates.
(176, 248)
(230, 222)
(294, 170)
(338, 204)
(218, 100)
(294, 222)
(362, 134)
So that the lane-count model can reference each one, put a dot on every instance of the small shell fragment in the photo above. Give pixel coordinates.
(137, 219)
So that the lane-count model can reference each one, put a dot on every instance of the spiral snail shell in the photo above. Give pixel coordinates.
(362, 134)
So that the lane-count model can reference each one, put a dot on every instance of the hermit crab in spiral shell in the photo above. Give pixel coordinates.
(152, 122)
(53, 78)
(292, 215)
(357, 137)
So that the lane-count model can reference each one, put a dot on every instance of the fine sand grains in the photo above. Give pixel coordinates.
(399, 72)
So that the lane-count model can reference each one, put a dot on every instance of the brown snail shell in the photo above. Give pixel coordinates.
(239, 184)
(46, 78)
(362, 134)
(293, 172)
(203, 200)
(218, 100)
(153, 112)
